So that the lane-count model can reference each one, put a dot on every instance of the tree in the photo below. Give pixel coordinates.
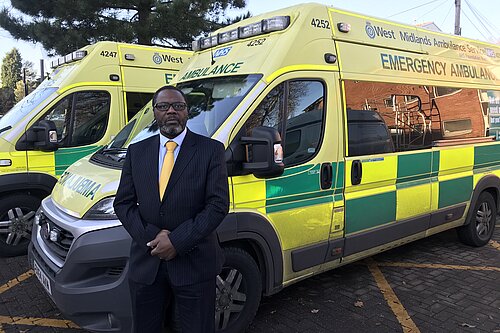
(31, 81)
(63, 26)
(6, 100)
(11, 69)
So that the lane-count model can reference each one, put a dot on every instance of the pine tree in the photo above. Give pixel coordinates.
(11, 69)
(31, 82)
(63, 26)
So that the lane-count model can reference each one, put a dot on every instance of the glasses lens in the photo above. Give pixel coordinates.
(178, 106)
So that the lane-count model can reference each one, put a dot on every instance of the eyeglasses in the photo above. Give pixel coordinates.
(177, 106)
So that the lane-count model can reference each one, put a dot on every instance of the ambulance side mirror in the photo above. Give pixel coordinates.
(264, 153)
(42, 136)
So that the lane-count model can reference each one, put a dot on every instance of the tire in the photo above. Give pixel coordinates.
(236, 306)
(481, 224)
(26, 203)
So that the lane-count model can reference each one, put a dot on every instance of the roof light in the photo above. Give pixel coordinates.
(195, 45)
(74, 56)
(228, 36)
(207, 42)
(250, 30)
(78, 55)
(344, 27)
(275, 23)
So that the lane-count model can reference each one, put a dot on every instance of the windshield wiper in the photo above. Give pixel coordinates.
(114, 150)
(5, 129)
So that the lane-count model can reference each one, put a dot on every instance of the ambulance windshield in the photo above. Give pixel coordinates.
(210, 102)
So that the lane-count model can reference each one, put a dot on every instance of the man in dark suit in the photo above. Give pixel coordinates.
(173, 194)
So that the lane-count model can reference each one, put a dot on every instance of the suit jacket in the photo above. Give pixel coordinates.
(195, 202)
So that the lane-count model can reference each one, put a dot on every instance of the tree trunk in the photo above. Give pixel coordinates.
(144, 22)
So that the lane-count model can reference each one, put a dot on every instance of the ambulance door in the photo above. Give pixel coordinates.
(299, 203)
(388, 185)
(84, 121)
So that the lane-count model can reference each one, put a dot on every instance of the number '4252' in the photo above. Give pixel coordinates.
(317, 23)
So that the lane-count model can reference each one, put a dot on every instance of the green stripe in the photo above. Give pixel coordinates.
(338, 197)
(412, 179)
(339, 183)
(305, 181)
(486, 154)
(339, 190)
(64, 157)
(370, 211)
(298, 169)
(435, 162)
(455, 191)
(298, 204)
(411, 183)
(287, 199)
(413, 165)
(491, 165)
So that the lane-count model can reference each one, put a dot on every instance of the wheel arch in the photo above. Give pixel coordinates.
(490, 184)
(35, 183)
(254, 234)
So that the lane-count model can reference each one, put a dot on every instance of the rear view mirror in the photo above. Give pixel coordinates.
(42, 136)
(264, 153)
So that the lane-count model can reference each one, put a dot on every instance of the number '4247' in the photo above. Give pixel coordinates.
(317, 23)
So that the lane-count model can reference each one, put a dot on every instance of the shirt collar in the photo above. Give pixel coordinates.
(178, 139)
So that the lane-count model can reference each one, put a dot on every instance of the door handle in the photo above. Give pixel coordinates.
(356, 172)
(326, 176)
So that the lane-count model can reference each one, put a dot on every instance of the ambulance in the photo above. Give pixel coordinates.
(84, 102)
(346, 135)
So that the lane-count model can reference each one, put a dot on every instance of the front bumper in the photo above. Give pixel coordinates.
(89, 285)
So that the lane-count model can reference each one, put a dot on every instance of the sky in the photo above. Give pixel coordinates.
(480, 22)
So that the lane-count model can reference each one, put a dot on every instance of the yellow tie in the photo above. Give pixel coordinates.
(168, 165)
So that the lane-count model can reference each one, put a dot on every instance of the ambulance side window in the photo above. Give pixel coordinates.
(296, 110)
(81, 118)
(60, 115)
(90, 117)
(135, 102)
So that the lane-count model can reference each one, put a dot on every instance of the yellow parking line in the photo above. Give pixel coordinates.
(31, 321)
(16, 281)
(440, 266)
(392, 300)
(495, 244)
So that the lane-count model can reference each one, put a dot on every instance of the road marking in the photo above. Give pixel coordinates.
(32, 321)
(16, 281)
(439, 266)
(495, 244)
(392, 300)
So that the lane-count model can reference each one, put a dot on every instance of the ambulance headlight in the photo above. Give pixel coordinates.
(103, 210)
(275, 23)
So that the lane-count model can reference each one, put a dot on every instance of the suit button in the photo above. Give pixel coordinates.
(162, 214)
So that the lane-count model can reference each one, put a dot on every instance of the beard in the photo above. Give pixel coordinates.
(172, 130)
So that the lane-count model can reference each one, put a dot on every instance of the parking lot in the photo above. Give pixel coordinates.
(433, 285)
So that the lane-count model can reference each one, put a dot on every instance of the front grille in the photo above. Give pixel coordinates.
(57, 239)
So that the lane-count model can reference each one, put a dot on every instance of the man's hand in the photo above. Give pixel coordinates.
(162, 246)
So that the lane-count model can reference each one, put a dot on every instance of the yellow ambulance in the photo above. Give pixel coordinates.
(346, 135)
(85, 101)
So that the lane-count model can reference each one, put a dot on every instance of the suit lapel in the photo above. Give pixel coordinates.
(188, 149)
(151, 153)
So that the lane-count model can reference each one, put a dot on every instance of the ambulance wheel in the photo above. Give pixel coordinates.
(27, 203)
(238, 292)
(481, 225)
